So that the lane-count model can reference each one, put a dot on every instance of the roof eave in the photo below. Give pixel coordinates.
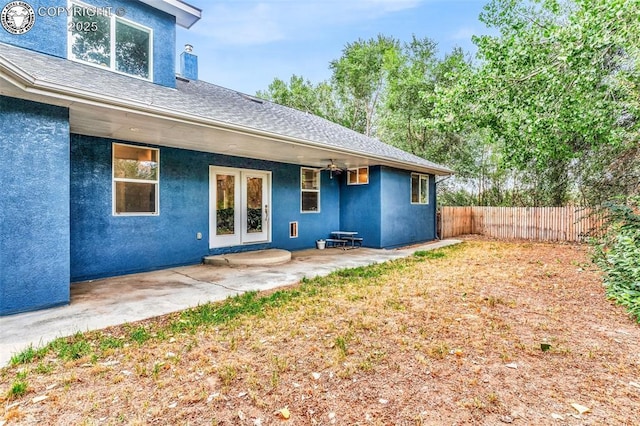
(27, 83)
(186, 14)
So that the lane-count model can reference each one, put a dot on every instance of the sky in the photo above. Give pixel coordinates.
(244, 44)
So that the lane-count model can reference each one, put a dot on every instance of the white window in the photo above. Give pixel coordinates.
(359, 176)
(419, 188)
(309, 190)
(100, 38)
(136, 173)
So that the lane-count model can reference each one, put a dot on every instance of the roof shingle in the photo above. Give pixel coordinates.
(206, 101)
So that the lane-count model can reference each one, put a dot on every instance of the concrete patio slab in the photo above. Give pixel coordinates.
(250, 258)
(102, 303)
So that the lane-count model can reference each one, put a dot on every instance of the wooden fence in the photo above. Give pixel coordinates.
(528, 223)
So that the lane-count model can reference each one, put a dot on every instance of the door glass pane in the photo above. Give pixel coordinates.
(254, 204)
(225, 202)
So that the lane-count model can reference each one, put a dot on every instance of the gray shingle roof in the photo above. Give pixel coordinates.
(205, 101)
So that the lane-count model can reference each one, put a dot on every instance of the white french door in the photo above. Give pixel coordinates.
(240, 207)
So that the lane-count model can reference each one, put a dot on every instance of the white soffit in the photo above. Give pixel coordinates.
(186, 15)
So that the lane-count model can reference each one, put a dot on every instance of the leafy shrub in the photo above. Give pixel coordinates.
(617, 253)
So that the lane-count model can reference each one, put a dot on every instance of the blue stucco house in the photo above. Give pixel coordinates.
(110, 163)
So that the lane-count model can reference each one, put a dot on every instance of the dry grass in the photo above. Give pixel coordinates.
(422, 341)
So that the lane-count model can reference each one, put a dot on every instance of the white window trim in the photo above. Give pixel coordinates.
(319, 175)
(420, 177)
(112, 36)
(115, 179)
(356, 170)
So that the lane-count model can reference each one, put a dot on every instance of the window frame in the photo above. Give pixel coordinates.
(113, 19)
(421, 178)
(114, 181)
(356, 170)
(303, 190)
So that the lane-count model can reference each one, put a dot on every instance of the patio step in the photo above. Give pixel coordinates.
(250, 258)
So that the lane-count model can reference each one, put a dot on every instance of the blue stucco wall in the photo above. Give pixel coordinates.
(34, 206)
(49, 34)
(189, 66)
(106, 245)
(286, 208)
(403, 223)
(360, 209)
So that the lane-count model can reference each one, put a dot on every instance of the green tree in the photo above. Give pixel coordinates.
(547, 114)
(408, 112)
(406, 108)
(360, 78)
(556, 87)
(303, 95)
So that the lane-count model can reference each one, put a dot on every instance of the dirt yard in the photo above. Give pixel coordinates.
(486, 333)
